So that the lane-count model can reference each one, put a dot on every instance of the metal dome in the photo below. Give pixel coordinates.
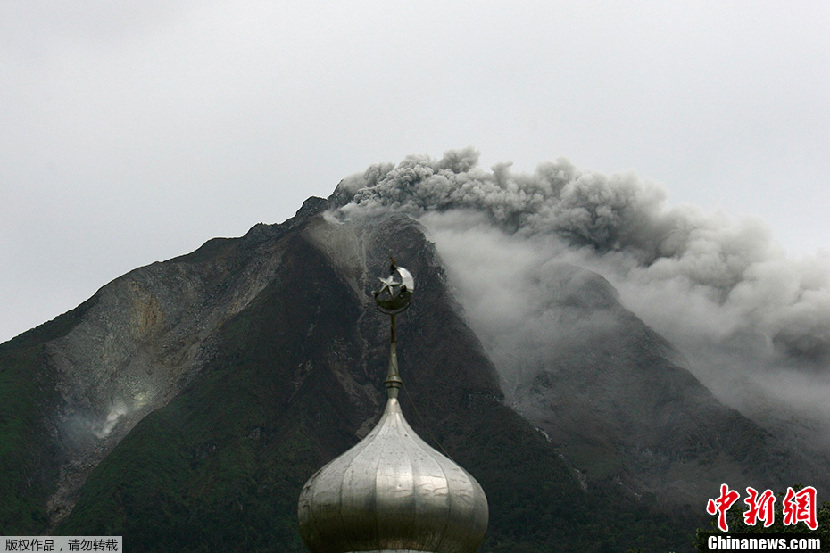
(392, 491)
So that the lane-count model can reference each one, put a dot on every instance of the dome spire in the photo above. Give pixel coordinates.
(392, 492)
(395, 296)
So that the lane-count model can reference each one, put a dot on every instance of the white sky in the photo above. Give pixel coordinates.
(135, 131)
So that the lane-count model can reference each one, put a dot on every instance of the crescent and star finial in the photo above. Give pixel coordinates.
(394, 296)
(396, 293)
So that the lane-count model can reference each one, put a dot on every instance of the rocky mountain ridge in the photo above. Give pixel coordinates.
(214, 382)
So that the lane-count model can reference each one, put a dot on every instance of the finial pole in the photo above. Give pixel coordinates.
(393, 298)
(393, 377)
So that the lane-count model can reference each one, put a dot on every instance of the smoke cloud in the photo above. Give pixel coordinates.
(746, 319)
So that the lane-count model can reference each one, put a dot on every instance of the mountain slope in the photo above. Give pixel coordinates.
(297, 378)
(605, 391)
(261, 358)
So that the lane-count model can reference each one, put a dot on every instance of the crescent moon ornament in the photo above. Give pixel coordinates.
(395, 293)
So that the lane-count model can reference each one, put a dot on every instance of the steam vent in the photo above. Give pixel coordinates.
(392, 492)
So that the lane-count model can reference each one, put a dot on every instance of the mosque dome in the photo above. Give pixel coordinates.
(392, 492)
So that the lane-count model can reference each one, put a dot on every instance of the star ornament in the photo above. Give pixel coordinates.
(395, 293)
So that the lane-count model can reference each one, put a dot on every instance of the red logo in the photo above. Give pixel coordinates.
(798, 506)
(721, 505)
(760, 508)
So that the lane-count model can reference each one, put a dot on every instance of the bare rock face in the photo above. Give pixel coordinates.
(147, 335)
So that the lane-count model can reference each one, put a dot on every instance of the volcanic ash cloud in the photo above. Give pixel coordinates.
(740, 312)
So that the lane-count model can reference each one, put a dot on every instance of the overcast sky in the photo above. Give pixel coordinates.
(132, 132)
